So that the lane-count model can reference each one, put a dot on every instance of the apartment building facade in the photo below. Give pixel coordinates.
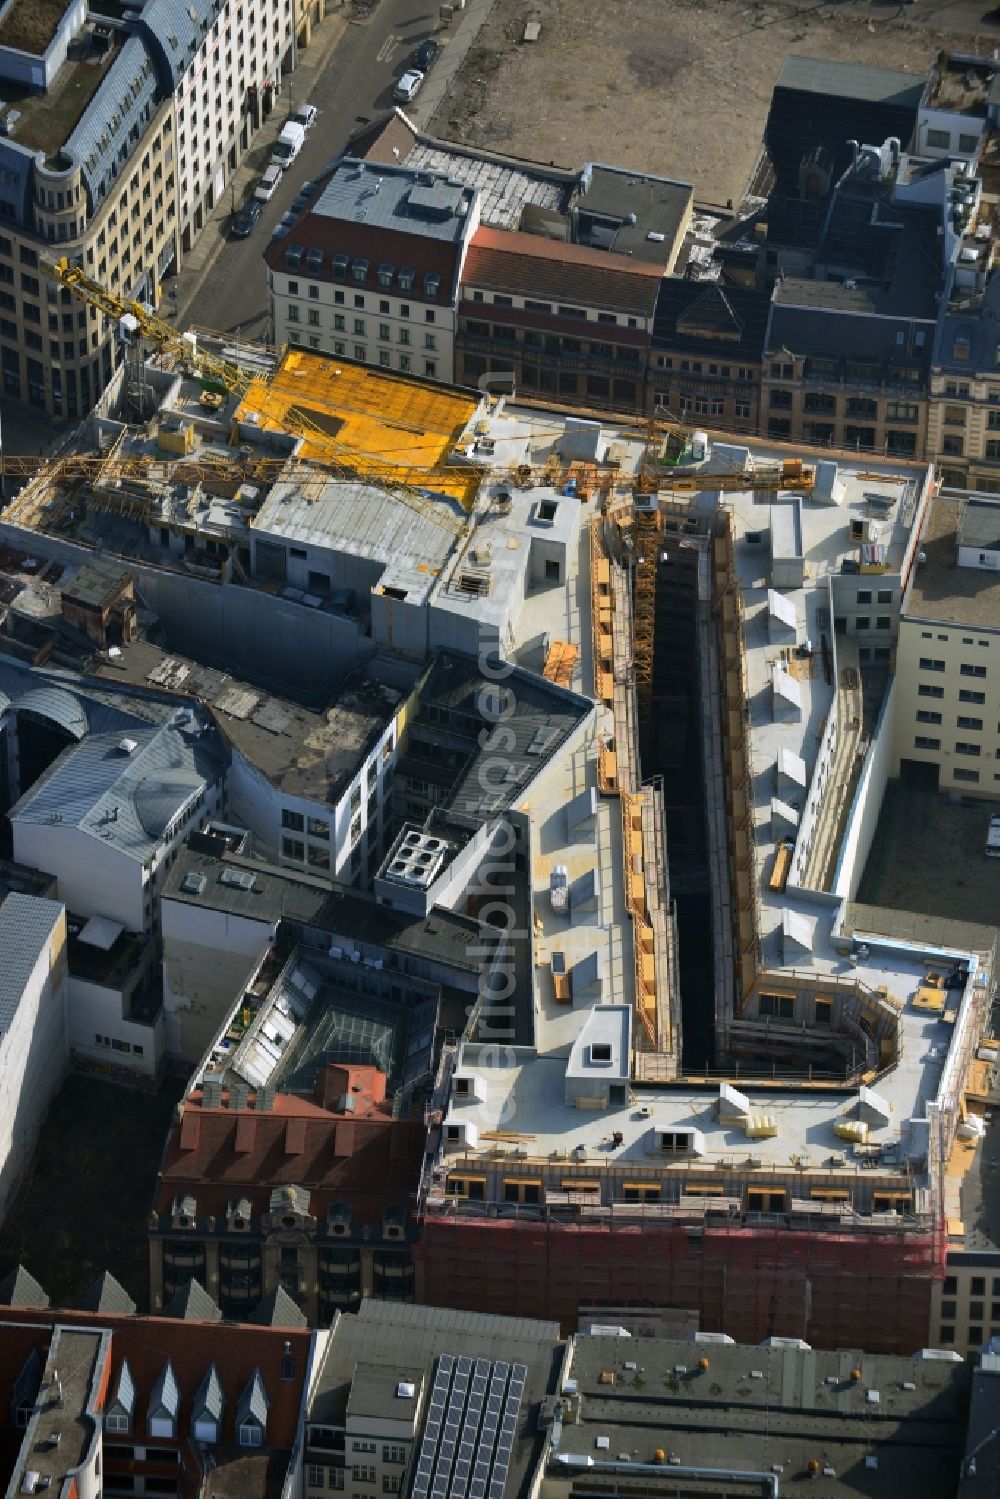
(837, 373)
(947, 698)
(963, 416)
(371, 271)
(170, 97)
(706, 353)
(570, 322)
(312, 1195)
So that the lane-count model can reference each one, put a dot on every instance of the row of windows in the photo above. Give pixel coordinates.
(113, 1044)
(319, 1477)
(702, 405)
(698, 367)
(552, 343)
(966, 639)
(340, 300)
(963, 721)
(581, 314)
(249, 1433)
(766, 1198)
(965, 694)
(359, 326)
(966, 668)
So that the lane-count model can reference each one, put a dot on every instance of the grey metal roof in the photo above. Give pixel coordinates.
(20, 1288)
(116, 116)
(385, 197)
(63, 707)
(209, 1399)
(106, 1294)
(26, 924)
(165, 1394)
(175, 29)
(278, 1310)
(253, 1402)
(849, 80)
(192, 1303)
(126, 799)
(125, 1389)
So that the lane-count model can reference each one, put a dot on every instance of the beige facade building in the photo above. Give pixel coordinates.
(116, 139)
(947, 713)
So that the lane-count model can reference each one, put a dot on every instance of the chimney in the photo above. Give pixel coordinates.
(332, 1082)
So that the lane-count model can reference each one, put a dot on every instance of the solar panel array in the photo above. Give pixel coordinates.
(468, 1439)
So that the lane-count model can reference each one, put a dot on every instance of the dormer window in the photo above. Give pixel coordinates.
(386, 273)
(359, 270)
(121, 1408)
(406, 276)
(340, 264)
(251, 1413)
(164, 1404)
(432, 285)
(206, 1412)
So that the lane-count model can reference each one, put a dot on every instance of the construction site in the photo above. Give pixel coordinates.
(722, 1091)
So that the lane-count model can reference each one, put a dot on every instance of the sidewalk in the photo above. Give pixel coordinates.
(465, 27)
(212, 239)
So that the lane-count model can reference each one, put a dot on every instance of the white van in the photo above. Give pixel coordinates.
(288, 145)
(268, 184)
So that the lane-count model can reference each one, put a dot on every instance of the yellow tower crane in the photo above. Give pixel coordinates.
(227, 377)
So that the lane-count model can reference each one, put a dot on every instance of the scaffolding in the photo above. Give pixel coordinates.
(648, 527)
(833, 1281)
(727, 604)
(560, 662)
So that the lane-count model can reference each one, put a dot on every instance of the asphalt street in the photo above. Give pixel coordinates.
(356, 84)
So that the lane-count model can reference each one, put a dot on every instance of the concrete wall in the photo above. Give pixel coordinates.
(253, 632)
(954, 125)
(93, 1010)
(863, 817)
(39, 72)
(987, 560)
(33, 1058)
(93, 878)
(208, 957)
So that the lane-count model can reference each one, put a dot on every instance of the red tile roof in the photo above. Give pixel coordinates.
(314, 231)
(532, 266)
(369, 1162)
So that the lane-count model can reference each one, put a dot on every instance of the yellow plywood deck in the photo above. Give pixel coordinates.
(379, 424)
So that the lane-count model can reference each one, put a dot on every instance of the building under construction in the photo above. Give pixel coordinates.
(697, 1076)
(736, 1102)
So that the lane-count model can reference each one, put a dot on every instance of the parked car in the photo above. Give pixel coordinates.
(305, 116)
(425, 54)
(409, 85)
(288, 145)
(246, 218)
(268, 184)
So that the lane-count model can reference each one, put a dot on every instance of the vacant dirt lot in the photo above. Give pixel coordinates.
(677, 87)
